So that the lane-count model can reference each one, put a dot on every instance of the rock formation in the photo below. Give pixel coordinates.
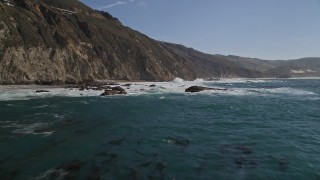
(113, 91)
(194, 89)
(56, 41)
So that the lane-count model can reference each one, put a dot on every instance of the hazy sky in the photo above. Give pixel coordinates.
(269, 29)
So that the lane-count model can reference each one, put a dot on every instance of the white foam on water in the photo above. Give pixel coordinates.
(177, 86)
(230, 92)
(12, 105)
(13, 93)
(58, 116)
(29, 128)
(286, 90)
(247, 80)
(58, 174)
(40, 107)
(84, 102)
(162, 97)
(178, 80)
(313, 99)
(199, 80)
(3, 122)
(305, 78)
(68, 92)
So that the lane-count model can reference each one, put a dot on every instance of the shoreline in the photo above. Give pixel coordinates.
(115, 82)
(225, 87)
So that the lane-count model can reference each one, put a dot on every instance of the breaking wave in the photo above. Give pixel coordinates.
(177, 86)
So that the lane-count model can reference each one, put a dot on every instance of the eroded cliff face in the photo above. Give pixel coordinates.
(42, 44)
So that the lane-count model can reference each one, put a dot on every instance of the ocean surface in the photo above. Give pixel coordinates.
(257, 129)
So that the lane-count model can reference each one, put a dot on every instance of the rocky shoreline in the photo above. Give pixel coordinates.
(105, 88)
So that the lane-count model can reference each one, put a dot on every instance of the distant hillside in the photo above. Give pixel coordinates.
(305, 67)
(209, 66)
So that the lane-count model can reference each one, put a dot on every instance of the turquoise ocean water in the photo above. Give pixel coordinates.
(258, 129)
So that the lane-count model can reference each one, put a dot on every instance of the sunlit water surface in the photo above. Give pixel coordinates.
(257, 129)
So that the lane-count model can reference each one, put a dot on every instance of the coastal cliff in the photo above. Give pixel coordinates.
(58, 41)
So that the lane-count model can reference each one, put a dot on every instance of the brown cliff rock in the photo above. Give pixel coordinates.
(40, 43)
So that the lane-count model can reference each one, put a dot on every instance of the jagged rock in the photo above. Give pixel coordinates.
(194, 89)
(41, 91)
(113, 84)
(113, 91)
(82, 88)
(118, 88)
(109, 92)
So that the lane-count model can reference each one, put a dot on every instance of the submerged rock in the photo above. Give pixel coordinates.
(193, 89)
(244, 149)
(73, 166)
(81, 132)
(283, 163)
(117, 142)
(180, 141)
(145, 164)
(2, 161)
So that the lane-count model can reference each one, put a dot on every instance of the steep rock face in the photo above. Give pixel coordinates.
(42, 43)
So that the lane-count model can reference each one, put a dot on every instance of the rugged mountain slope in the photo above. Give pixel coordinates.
(305, 67)
(212, 66)
(40, 42)
(207, 65)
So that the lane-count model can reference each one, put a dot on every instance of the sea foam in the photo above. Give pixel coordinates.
(177, 86)
(29, 128)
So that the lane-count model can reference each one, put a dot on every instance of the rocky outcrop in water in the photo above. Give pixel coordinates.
(42, 91)
(113, 91)
(194, 89)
